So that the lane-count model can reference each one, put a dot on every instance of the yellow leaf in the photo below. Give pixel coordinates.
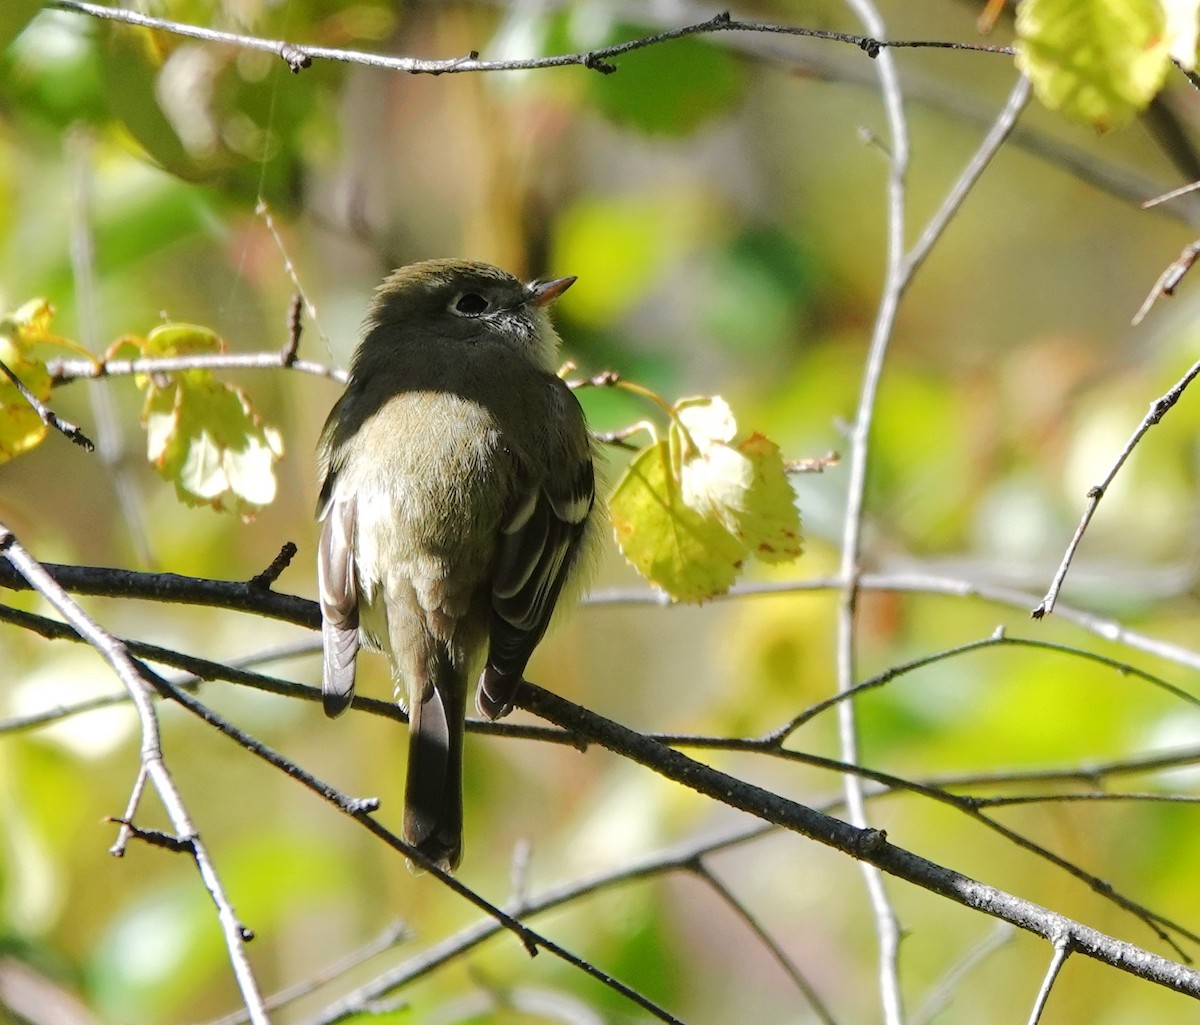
(21, 428)
(678, 549)
(690, 509)
(1097, 61)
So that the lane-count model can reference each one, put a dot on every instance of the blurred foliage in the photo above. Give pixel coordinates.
(717, 199)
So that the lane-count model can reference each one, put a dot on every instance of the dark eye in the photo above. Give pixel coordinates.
(470, 304)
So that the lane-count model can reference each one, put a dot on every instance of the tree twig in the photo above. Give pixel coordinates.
(46, 414)
(152, 762)
(1158, 409)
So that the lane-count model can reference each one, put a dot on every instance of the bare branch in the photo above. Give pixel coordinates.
(1168, 280)
(63, 370)
(1062, 950)
(300, 56)
(152, 763)
(1158, 409)
(46, 414)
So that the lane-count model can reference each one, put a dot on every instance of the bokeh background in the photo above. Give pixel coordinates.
(722, 201)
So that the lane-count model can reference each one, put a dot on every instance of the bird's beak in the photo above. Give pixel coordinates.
(542, 293)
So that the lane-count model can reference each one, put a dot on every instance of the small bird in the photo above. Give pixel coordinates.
(458, 500)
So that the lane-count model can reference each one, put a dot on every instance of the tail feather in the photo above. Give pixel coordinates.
(433, 813)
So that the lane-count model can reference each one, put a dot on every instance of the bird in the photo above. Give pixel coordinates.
(457, 506)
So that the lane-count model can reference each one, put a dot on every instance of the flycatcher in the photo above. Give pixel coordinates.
(457, 501)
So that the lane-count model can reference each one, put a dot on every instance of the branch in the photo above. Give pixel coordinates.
(300, 56)
(64, 370)
(240, 596)
(362, 811)
(152, 763)
(1158, 409)
(46, 414)
(868, 845)
(886, 925)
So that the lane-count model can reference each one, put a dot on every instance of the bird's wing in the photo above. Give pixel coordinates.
(338, 592)
(538, 547)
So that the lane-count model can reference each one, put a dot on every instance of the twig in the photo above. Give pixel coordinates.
(117, 850)
(1158, 409)
(151, 758)
(295, 326)
(299, 56)
(268, 576)
(361, 810)
(1168, 280)
(47, 415)
(887, 927)
(997, 135)
(64, 370)
(998, 639)
(1062, 950)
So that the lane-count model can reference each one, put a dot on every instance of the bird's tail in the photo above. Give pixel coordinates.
(433, 813)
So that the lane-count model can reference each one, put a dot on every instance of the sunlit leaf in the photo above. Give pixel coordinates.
(201, 434)
(1097, 61)
(690, 509)
(688, 555)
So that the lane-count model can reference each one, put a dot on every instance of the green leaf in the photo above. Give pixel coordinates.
(1096, 61)
(678, 549)
(203, 435)
(691, 509)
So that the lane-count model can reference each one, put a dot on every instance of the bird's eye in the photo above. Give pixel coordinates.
(470, 304)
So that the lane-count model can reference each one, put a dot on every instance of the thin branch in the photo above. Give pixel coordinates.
(46, 414)
(923, 582)
(997, 135)
(299, 56)
(64, 370)
(152, 762)
(1168, 280)
(886, 925)
(1062, 950)
(998, 639)
(1092, 796)
(1158, 409)
(362, 811)
(236, 595)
